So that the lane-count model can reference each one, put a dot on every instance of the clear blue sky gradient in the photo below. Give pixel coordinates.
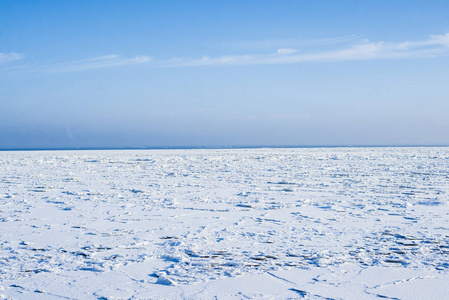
(198, 73)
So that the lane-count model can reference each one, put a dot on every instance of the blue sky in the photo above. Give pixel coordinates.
(198, 73)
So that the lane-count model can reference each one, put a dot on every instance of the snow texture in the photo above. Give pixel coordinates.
(321, 223)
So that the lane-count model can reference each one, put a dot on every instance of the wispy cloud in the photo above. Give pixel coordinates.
(7, 57)
(434, 40)
(101, 62)
(436, 45)
(349, 48)
(286, 51)
(273, 117)
(258, 45)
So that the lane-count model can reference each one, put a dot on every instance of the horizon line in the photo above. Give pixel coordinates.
(216, 147)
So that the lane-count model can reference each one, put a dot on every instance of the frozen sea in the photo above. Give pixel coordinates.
(292, 223)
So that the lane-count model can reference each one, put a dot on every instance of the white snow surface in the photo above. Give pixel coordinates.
(311, 223)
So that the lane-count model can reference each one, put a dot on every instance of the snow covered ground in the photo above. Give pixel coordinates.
(318, 223)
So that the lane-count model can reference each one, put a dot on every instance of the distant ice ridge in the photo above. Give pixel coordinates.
(183, 221)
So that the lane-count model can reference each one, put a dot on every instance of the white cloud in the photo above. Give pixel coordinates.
(7, 57)
(297, 43)
(101, 62)
(273, 117)
(435, 45)
(286, 51)
(434, 40)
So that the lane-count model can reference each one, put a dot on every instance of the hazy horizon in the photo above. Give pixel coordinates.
(215, 147)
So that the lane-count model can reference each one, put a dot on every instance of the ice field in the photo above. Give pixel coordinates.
(304, 223)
